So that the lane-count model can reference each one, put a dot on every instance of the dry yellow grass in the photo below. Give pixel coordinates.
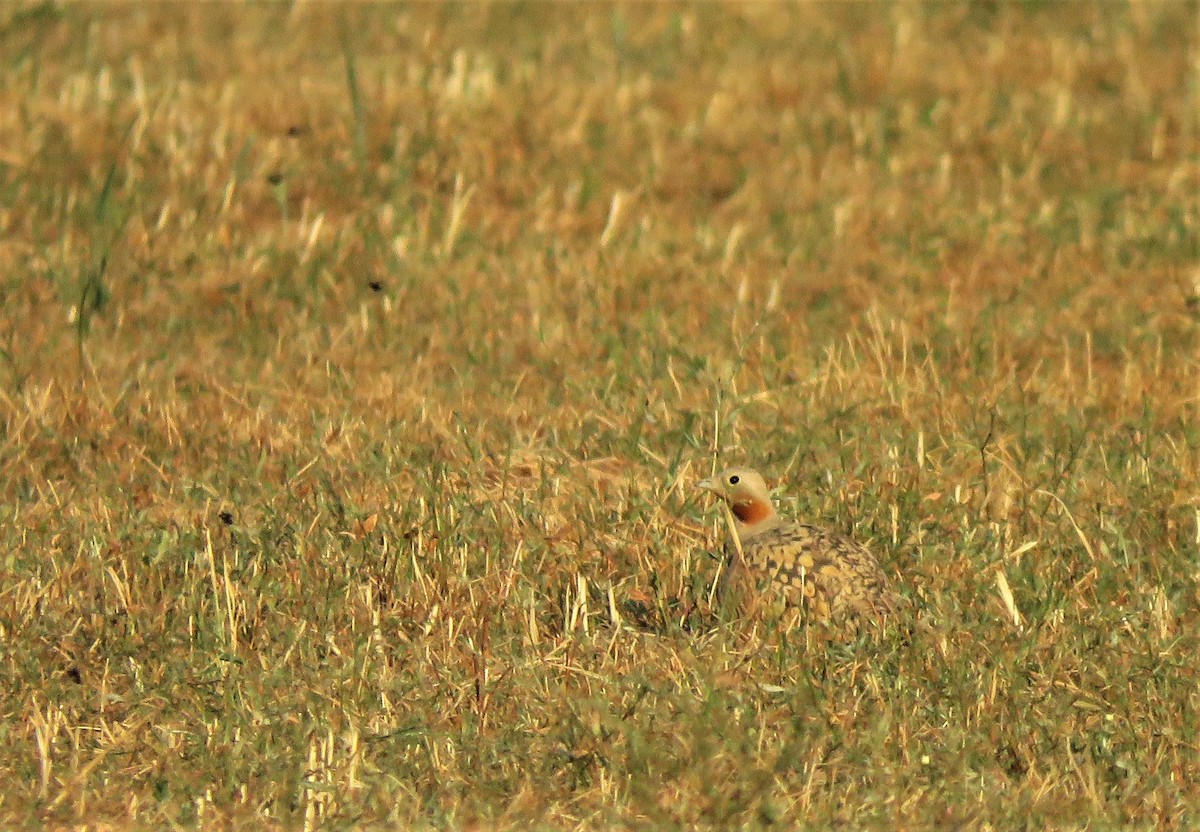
(357, 363)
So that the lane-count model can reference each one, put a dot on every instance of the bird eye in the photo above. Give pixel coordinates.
(734, 479)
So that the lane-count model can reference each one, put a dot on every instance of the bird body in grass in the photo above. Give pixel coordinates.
(829, 577)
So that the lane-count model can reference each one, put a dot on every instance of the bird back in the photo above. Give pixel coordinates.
(828, 576)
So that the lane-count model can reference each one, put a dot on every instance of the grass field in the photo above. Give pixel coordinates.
(357, 364)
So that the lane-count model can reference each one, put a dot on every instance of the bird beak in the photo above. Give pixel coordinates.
(708, 485)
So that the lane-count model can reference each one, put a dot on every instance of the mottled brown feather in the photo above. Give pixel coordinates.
(826, 575)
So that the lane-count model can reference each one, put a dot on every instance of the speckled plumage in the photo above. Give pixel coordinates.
(829, 577)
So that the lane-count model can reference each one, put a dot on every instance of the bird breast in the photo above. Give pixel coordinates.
(751, 511)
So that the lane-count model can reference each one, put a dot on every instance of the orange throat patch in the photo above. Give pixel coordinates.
(751, 511)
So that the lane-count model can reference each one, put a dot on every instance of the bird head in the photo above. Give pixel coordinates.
(746, 493)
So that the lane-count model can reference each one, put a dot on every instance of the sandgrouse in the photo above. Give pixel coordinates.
(829, 577)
